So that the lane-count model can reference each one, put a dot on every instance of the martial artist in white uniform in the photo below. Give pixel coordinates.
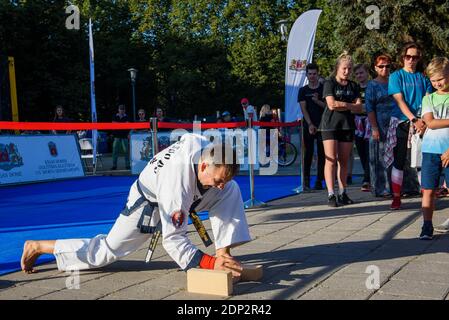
(164, 192)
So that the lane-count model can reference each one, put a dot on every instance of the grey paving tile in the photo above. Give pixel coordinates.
(142, 291)
(426, 267)
(415, 289)
(422, 276)
(67, 294)
(322, 293)
(382, 296)
(23, 293)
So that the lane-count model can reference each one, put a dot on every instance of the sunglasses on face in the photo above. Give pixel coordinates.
(410, 57)
(382, 66)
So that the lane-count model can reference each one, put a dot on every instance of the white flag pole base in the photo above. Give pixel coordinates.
(254, 203)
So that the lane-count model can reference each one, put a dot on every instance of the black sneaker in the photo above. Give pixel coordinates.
(114, 168)
(332, 201)
(426, 233)
(344, 199)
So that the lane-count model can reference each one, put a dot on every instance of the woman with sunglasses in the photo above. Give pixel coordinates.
(379, 106)
(408, 86)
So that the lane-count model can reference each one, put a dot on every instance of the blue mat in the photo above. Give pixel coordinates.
(83, 208)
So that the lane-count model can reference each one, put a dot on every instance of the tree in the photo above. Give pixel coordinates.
(400, 21)
(193, 56)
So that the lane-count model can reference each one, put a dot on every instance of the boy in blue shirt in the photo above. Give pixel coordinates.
(435, 113)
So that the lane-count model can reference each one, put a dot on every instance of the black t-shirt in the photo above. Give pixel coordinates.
(63, 119)
(266, 118)
(333, 120)
(120, 133)
(314, 110)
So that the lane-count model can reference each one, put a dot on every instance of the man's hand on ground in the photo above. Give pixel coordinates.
(228, 263)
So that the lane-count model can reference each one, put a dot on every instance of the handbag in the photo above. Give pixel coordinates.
(416, 154)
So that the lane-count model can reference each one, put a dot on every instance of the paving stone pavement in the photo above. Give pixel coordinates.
(308, 250)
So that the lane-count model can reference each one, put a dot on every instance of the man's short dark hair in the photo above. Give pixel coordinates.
(312, 66)
(361, 66)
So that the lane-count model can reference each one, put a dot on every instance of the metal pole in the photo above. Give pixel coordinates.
(300, 189)
(134, 99)
(252, 202)
(154, 135)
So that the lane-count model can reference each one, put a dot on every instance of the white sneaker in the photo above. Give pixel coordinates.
(442, 228)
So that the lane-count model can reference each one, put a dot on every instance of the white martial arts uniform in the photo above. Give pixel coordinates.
(170, 180)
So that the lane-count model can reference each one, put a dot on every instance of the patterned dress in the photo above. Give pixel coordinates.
(378, 101)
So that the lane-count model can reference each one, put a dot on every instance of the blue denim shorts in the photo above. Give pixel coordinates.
(431, 170)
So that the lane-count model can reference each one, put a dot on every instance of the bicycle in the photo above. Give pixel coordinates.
(287, 152)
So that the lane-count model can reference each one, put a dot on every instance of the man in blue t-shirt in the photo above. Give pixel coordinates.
(407, 86)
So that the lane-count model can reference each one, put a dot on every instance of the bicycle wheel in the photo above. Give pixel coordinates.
(287, 154)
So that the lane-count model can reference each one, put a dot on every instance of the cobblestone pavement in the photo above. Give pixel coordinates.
(308, 250)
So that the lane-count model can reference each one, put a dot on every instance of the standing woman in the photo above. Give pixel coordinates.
(337, 127)
(407, 86)
(60, 117)
(266, 116)
(379, 106)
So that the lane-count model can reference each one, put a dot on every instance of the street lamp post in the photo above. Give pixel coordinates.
(283, 29)
(133, 74)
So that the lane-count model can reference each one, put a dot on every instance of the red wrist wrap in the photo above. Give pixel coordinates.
(207, 262)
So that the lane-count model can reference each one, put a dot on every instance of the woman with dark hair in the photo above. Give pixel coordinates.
(160, 115)
(337, 127)
(379, 106)
(408, 86)
(60, 117)
(142, 115)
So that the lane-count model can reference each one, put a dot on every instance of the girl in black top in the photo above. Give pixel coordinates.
(337, 126)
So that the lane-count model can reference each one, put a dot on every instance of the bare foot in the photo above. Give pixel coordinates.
(29, 256)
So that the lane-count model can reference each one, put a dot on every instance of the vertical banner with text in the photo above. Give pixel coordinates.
(299, 54)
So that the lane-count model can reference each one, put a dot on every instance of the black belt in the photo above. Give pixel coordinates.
(147, 213)
(198, 224)
(145, 219)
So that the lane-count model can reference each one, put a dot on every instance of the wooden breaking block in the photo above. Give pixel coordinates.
(251, 272)
(206, 281)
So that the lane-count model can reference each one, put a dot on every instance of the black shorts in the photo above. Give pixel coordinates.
(339, 135)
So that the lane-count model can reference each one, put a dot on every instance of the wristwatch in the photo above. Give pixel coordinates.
(414, 120)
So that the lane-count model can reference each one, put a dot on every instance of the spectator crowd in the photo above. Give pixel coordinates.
(396, 117)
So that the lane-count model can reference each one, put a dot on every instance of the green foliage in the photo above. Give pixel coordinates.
(193, 56)
(400, 21)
